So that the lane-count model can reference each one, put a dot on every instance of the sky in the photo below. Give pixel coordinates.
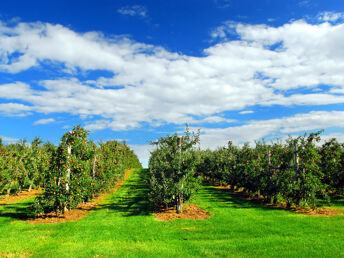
(238, 70)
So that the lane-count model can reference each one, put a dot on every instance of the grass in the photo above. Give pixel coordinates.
(124, 226)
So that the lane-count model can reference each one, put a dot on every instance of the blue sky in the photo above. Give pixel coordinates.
(239, 70)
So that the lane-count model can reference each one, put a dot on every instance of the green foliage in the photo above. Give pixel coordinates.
(68, 177)
(22, 166)
(332, 165)
(172, 168)
(306, 182)
(67, 183)
(109, 163)
(296, 182)
(79, 169)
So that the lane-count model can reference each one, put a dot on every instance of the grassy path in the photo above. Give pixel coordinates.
(123, 226)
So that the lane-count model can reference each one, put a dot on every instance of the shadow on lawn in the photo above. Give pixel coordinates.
(337, 200)
(135, 201)
(225, 197)
(132, 202)
(19, 211)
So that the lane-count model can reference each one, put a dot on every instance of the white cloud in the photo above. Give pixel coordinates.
(293, 55)
(211, 119)
(255, 130)
(156, 86)
(9, 140)
(305, 99)
(338, 136)
(97, 125)
(330, 16)
(246, 112)
(143, 152)
(14, 109)
(44, 121)
(135, 10)
(224, 30)
(304, 3)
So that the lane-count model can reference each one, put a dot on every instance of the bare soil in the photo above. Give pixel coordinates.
(22, 196)
(8, 255)
(192, 211)
(326, 212)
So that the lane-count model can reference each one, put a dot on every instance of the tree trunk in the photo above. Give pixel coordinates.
(9, 190)
(94, 170)
(269, 199)
(296, 159)
(275, 200)
(69, 150)
(179, 204)
(94, 167)
(288, 204)
(180, 199)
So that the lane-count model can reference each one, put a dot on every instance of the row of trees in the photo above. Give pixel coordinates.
(298, 171)
(71, 173)
(23, 165)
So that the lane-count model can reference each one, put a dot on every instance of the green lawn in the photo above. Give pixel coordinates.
(124, 226)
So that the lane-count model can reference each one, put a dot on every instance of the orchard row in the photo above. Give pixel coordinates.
(298, 171)
(71, 173)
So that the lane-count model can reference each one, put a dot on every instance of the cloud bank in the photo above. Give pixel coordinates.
(150, 84)
(248, 65)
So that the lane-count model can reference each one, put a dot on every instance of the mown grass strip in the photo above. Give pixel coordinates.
(123, 226)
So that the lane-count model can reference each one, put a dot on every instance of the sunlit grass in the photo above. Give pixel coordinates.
(124, 226)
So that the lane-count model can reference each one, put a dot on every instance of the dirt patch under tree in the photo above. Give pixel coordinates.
(22, 196)
(192, 211)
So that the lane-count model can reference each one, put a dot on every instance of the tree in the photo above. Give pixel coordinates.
(172, 169)
(68, 181)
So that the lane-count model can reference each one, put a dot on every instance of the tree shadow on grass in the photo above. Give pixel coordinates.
(337, 200)
(133, 198)
(222, 197)
(132, 201)
(334, 199)
(226, 197)
(19, 211)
